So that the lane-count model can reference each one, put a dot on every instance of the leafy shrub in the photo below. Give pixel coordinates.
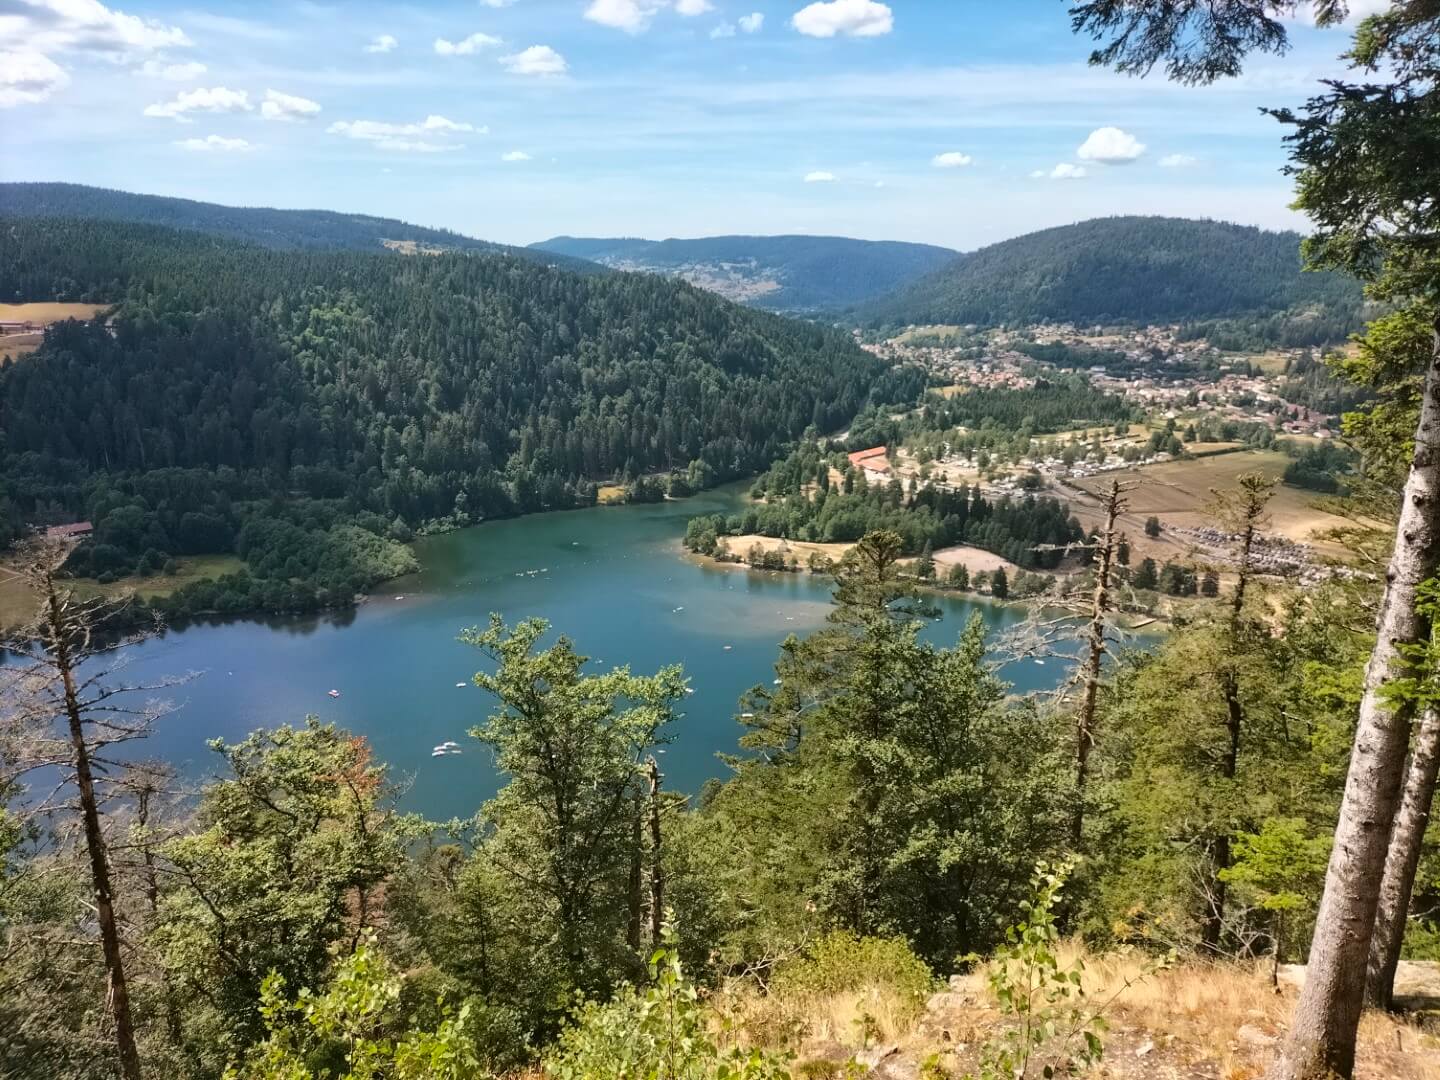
(659, 1033)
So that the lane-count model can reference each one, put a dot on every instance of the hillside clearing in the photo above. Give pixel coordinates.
(16, 600)
(47, 313)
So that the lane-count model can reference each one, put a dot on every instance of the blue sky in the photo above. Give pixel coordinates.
(958, 122)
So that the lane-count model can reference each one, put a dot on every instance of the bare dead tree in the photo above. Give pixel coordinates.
(1093, 623)
(1241, 511)
(657, 867)
(63, 712)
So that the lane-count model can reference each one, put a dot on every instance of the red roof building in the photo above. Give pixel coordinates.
(872, 460)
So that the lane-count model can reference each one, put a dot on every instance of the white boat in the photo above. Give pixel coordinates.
(460, 685)
(450, 744)
(334, 693)
(437, 752)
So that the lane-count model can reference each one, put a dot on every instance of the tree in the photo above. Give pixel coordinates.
(292, 852)
(1367, 161)
(1210, 584)
(958, 577)
(1147, 576)
(1242, 512)
(999, 583)
(1152, 526)
(925, 565)
(63, 677)
(561, 831)
(1281, 868)
(1103, 554)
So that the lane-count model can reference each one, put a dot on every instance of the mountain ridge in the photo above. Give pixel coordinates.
(787, 272)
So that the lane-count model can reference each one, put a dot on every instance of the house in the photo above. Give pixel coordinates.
(69, 532)
(873, 463)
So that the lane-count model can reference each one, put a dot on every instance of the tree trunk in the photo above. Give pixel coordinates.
(1402, 860)
(636, 882)
(1322, 1034)
(60, 631)
(1094, 658)
(657, 868)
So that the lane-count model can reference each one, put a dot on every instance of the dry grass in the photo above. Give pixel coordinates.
(14, 346)
(1177, 492)
(801, 549)
(45, 313)
(17, 602)
(810, 1022)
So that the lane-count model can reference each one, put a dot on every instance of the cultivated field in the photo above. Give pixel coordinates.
(14, 346)
(16, 601)
(45, 314)
(1177, 492)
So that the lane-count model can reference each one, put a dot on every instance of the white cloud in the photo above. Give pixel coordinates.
(158, 69)
(278, 106)
(853, 18)
(49, 26)
(30, 73)
(472, 44)
(426, 137)
(632, 16)
(819, 176)
(417, 146)
(1063, 171)
(215, 144)
(951, 159)
(215, 99)
(752, 23)
(536, 60)
(1178, 161)
(515, 155)
(724, 30)
(497, 3)
(691, 8)
(382, 43)
(376, 130)
(27, 77)
(1110, 146)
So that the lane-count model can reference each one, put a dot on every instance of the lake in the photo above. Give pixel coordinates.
(614, 579)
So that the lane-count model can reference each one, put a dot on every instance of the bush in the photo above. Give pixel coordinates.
(841, 961)
(660, 1032)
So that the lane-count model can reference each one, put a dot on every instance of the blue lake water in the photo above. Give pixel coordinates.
(614, 579)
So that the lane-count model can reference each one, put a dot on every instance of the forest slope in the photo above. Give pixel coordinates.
(280, 229)
(236, 385)
(1127, 270)
(782, 273)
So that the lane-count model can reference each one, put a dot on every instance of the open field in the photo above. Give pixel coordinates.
(14, 346)
(1177, 492)
(801, 549)
(16, 600)
(974, 559)
(942, 333)
(45, 313)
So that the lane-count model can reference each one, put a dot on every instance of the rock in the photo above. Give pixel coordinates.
(1417, 983)
(1146, 1048)
(875, 1055)
(1251, 1036)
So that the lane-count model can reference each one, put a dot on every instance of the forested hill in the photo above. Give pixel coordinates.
(1126, 269)
(280, 229)
(401, 390)
(782, 273)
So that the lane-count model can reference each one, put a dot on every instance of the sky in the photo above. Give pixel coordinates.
(955, 122)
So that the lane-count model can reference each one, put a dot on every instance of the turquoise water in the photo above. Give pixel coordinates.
(613, 579)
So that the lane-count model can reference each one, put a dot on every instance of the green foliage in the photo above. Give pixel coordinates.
(354, 1030)
(270, 399)
(559, 838)
(659, 1033)
(1171, 270)
(299, 836)
(1281, 867)
(841, 961)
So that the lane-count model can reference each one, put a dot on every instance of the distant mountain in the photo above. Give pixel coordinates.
(1122, 269)
(284, 230)
(782, 273)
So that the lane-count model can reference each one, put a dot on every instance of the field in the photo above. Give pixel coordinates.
(45, 314)
(14, 346)
(16, 600)
(1177, 493)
